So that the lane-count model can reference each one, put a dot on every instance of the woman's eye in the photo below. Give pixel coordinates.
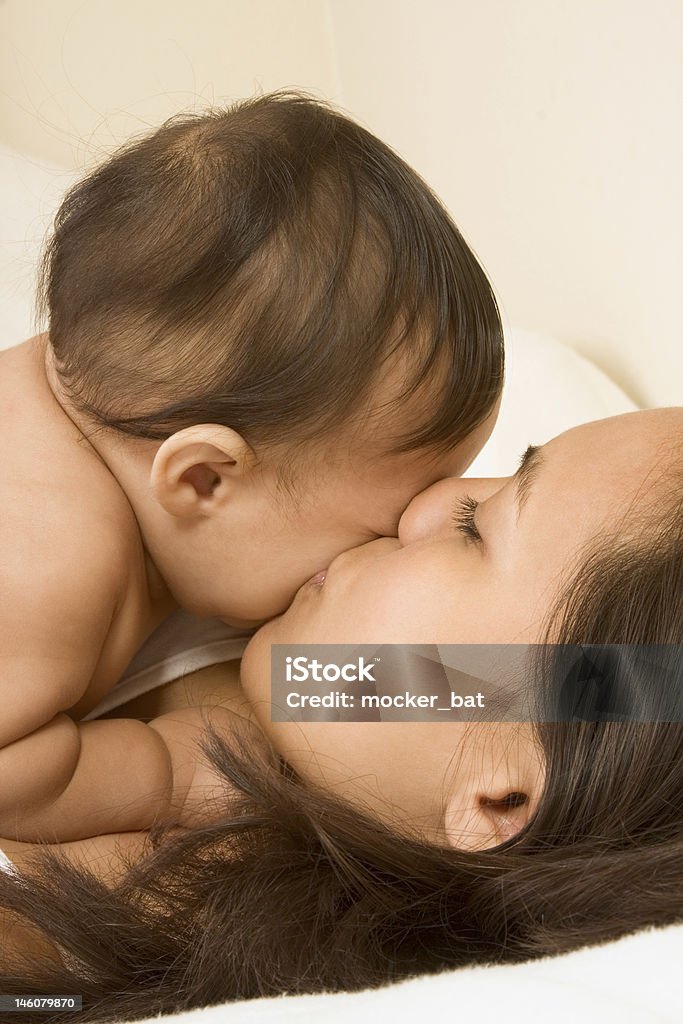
(463, 517)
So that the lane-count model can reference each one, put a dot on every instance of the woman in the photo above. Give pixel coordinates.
(365, 854)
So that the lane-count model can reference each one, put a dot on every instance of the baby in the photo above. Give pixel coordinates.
(265, 336)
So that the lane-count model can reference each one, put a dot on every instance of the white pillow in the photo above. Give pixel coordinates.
(548, 389)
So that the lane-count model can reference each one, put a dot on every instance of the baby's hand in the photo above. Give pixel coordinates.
(199, 792)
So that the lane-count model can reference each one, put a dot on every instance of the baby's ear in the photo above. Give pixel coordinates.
(496, 788)
(196, 470)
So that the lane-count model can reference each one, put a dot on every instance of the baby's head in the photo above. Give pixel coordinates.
(275, 336)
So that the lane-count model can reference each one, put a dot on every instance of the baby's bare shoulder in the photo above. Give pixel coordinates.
(66, 522)
(62, 579)
(64, 564)
(66, 534)
(68, 537)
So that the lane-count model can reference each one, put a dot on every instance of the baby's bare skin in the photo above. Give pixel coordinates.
(66, 526)
(79, 596)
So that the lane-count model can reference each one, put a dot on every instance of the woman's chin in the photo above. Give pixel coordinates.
(255, 667)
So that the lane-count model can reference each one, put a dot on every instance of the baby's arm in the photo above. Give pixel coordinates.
(113, 775)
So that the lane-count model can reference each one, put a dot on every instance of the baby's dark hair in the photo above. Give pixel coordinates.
(256, 266)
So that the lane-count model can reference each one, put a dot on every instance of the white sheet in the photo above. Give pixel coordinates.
(633, 981)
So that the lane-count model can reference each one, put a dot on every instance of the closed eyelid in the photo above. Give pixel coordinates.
(532, 459)
(462, 515)
(521, 483)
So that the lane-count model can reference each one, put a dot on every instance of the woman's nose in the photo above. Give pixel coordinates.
(430, 513)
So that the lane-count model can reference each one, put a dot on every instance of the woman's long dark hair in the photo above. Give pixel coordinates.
(295, 891)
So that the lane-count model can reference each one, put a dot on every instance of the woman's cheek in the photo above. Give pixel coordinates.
(378, 609)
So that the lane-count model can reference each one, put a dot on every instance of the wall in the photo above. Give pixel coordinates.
(80, 76)
(550, 128)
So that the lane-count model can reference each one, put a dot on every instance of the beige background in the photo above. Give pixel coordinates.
(551, 129)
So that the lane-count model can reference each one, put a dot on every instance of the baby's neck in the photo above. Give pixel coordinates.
(131, 467)
(131, 470)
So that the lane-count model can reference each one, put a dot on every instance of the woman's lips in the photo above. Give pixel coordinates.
(318, 579)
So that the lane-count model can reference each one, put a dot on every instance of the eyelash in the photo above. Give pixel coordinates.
(463, 518)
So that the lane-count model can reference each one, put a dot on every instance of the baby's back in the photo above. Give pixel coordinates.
(75, 601)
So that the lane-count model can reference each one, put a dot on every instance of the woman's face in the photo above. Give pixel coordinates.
(481, 571)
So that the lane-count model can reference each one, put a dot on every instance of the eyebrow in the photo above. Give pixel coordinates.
(524, 477)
